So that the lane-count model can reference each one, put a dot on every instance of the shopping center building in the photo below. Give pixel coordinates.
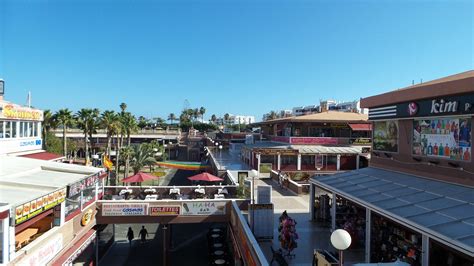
(415, 202)
(47, 209)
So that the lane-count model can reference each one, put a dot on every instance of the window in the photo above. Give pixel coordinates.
(8, 129)
(35, 129)
(14, 129)
(386, 136)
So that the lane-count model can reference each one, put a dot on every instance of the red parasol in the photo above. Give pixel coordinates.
(205, 177)
(139, 177)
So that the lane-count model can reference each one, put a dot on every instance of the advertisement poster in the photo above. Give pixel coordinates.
(165, 210)
(39, 205)
(124, 209)
(386, 136)
(448, 138)
(204, 208)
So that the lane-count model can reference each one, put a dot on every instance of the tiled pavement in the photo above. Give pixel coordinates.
(311, 235)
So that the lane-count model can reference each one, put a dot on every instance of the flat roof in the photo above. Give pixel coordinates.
(307, 149)
(442, 210)
(328, 116)
(24, 179)
(454, 84)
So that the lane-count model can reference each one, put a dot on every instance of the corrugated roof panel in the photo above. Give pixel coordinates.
(431, 219)
(409, 210)
(459, 212)
(402, 191)
(439, 203)
(391, 203)
(455, 229)
(386, 186)
(420, 197)
(375, 197)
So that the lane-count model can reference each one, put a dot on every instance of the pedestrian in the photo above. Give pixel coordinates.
(130, 236)
(143, 234)
(280, 179)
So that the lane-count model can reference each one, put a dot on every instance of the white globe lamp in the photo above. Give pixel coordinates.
(341, 240)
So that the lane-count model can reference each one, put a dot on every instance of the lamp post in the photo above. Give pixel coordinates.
(165, 146)
(341, 240)
(169, 149)
(254, 173)
(220, 150)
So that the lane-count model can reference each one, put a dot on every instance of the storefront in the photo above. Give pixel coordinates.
(416, 197)
(82, 193)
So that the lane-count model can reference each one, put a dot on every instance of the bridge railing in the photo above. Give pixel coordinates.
(139, 132)
(169, 192)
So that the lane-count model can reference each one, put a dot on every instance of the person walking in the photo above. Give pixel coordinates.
(130, 236)
(143, 234)
(280, 179)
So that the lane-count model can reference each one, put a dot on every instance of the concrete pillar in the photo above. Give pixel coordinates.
(298, 163)
(333, 212)
(279, 161)
(312, 191)
(5, 240)
(368, 222)
(357, 161)
(338, 162)
(425, 250)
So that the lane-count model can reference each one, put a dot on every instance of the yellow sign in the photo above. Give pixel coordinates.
(87, 217)
(18, 112)
(39, 205)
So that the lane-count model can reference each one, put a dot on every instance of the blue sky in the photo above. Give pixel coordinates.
(241, 57)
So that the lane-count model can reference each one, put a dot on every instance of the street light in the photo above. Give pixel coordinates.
(220, 150)
(341, 240)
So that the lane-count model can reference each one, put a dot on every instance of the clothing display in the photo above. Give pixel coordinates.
(287, 233)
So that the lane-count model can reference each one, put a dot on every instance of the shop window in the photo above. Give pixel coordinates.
(28, 235)
(322, 206)
(386, 136)
(8, 129)
(441, 255)
(14, 129)
(446, 138)
(391, 241)
(351, 217)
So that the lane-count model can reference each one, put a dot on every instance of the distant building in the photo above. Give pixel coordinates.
(237, 119)
(329, 105)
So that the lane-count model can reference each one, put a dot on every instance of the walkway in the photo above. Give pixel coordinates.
(311, 235)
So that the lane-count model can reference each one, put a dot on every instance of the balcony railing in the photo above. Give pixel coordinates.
(169, 192)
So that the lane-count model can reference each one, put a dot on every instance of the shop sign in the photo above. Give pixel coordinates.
(165, 210)
(87, 217)
(39, 205)
(81, 249)
(124, 209)
(12, 111)
(451, 105)
(281, 139)
(204, 208)
(84, 184)
(45, 253)
(312, 140)
(361, 141)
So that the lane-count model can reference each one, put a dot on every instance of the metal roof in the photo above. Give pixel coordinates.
(442, 210)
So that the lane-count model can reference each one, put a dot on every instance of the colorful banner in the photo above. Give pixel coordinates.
(124, 209)
(386, 136)
(183, 165)
(165, 210)
(448, 138)
(39, 205)
(204, 208)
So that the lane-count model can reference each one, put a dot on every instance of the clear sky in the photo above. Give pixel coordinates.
(241, 57)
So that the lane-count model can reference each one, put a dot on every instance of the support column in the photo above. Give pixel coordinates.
(258, 162)
(165, 245)
(368, 223)
(252, 160)
(298, 163)
(5, 240)
(338, 162)
(357, 161)
(333, 212)
(425, 250)
(312, 189)
(279, 161)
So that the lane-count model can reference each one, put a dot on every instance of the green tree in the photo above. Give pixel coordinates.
(142, 122)
(87, 121)
(143, 155)
(172, 117)
(213, 118)
(65, 119)
(127, 153)
(202, 111)
(226, 118)
(48, 123)
(110, 122)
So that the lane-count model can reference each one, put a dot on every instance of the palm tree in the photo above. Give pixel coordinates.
(172, 117)
(123, 107)
(48, 123)
(272, 115)
(127, 153)
(94, 123)
(202, 111)
(213, 118)
(65, 119)
(84, 118)
(159, 121)
(142, 156)
(226, 118)
(109, 121)
(142, 122)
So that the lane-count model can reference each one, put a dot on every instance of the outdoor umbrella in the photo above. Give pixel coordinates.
(205, 177)
(138, 178)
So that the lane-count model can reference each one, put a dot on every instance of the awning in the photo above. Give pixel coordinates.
(361, 127)
(443, 211)
(45, 156)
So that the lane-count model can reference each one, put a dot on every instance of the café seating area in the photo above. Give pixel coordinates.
(169, 193)
(218, 248)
